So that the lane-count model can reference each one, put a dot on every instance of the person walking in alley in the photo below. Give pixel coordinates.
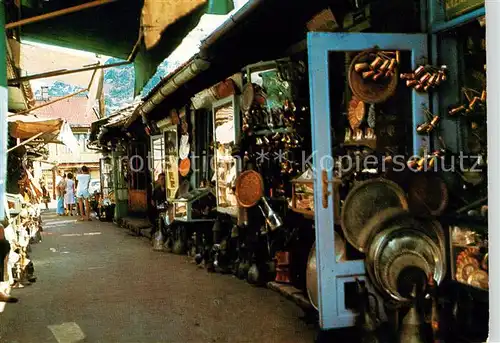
(60, 190)
(83, 194)
(70, 194)
(45, 195)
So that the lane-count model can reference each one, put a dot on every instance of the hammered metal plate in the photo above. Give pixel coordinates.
(363, 202)
(249, 188)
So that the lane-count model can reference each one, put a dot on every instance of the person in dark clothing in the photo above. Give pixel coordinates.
(158, 197)
(159, 192)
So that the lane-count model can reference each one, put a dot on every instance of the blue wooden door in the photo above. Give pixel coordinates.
(333, 275)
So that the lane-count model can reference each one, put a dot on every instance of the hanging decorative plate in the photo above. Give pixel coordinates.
(368, 90)
(249, 188)
(479, 278)
(400, 257)
(185, 166)
(184, 147)
(427, 194)
(356, 112)
(248, 97)
(399, 216)
(364, 201)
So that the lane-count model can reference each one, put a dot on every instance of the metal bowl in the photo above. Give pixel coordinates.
(400, 257)
(369, 91)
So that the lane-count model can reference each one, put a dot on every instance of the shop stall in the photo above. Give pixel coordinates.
(120, 151)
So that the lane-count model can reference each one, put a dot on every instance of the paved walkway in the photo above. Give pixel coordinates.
(96, 283)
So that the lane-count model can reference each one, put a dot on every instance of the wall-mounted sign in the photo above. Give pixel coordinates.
(455, 8)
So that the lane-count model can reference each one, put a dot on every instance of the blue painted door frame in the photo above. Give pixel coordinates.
(332, 274)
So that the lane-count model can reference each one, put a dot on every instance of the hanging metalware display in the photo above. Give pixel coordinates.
(427, 194)
(184, 147)
(373, 75)
(250, 192)
(476, 102)
(402, 217)
(247, 97)
(431, 123)
(425, 77)
(399, 257)
(249, 188)
(356, 113)
(364, 201)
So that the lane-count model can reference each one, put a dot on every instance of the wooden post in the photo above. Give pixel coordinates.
(4, 99)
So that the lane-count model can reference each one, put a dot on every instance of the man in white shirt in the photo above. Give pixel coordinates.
(83, 194)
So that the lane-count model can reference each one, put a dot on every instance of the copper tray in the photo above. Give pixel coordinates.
(249, 188)
(369, 91)
(363, 202)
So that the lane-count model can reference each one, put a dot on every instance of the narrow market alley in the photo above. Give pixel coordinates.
(97, 283)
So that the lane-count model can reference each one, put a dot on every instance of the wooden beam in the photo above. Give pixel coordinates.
(26, 141)
(65, 72)
(57, 13)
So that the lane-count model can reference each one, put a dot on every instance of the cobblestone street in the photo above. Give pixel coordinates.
(97, 283)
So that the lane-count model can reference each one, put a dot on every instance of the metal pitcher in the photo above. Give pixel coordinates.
(273, 220)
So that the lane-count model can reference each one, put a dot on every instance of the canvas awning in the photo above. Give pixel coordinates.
(26, 127)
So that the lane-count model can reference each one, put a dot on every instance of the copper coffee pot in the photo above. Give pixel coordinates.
(425, 77)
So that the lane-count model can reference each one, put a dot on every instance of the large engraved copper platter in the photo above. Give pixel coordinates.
(249, 188)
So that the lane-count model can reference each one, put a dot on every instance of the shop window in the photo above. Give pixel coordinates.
(157, 157)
